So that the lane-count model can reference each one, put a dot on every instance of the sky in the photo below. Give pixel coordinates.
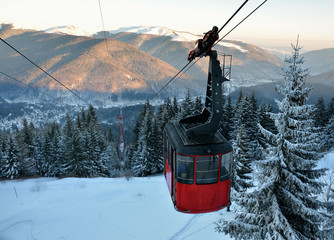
(275, 25)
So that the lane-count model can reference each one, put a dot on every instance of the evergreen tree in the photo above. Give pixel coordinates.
(198, 106)
(48, 165)
(110, 136)
(142, 164)
(330, 108)
(52, 151)
(186, 106)
(175, 107)
(227, 123)
(155, 144)
(140, 119)
(283, 206)
(165, 114)
(267, 123)
(320, 116)
(253, 129)
(329, 134)
(240, 98)
(147, 153)
(2, 153)
(241, 179)
(10, 168)
(67, 145)
(28, 137)
(78, 164)
(243, 116)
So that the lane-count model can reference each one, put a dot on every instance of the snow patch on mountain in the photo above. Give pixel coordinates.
(179, 36)
(232, 45)
(158, 30)
(71, 30)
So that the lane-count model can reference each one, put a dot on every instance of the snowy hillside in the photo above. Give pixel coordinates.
(98, 208)
(101, 209)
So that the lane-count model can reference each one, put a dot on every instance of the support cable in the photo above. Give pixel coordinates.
(43, 70)
(215, 43)
(232, 16)
(198, 58)
(170, 80)
(240, 22)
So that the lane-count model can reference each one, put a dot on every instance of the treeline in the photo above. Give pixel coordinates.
(80, 148)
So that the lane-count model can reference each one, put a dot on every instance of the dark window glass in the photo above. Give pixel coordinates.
(226, 164)
(185, 169)
(207, 169)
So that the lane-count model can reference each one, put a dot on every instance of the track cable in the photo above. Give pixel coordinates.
(214, 44)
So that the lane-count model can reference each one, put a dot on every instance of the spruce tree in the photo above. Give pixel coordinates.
(67, 145)
(329, 135)
(186, 106)
(2, 153)
(320, 116)
(330, 108)
(10, 168)
(175, 107)
(283, 206)
(48, 165)
(154, 148)
(241, 179)
(198, 105)
(267, 123)
(142, 163)
(227, 123)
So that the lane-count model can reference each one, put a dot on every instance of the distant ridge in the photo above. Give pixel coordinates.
(81, 63)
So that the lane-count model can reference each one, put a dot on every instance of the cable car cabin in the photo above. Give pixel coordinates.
(197, 171)
(197, 158)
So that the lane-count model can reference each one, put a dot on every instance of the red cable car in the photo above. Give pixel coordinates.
(197, 158)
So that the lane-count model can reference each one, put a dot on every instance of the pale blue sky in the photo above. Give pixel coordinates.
(276, 24)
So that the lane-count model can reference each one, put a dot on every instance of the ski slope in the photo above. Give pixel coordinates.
(102, 209)
(98, 208)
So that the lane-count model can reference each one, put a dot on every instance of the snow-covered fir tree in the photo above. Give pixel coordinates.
(329, 134)
(284, 206)
(253, 129)
(197, 105)
(242, 159)
(267, 123)
(155, 145)
(10, 169)
(227, 123)
(320, 116)
(186, 106)
(143, 164)
(330, 108)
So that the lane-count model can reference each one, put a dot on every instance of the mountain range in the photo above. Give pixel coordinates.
(136, 60)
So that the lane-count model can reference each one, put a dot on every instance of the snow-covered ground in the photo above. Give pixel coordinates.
(327, 161)
(97, 208)
(102, 208)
